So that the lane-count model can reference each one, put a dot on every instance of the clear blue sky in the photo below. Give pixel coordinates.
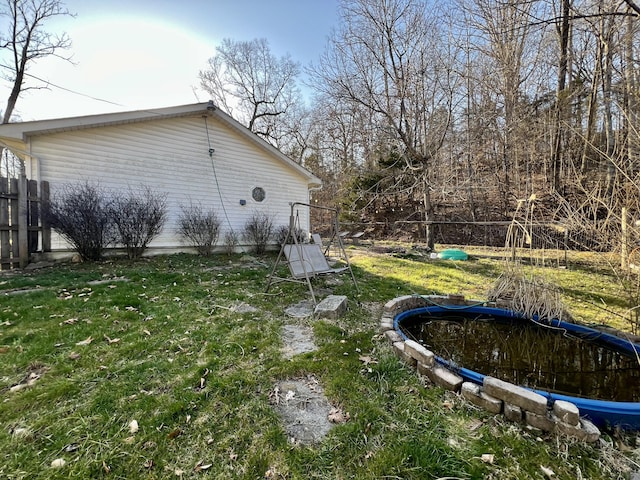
(138, 54)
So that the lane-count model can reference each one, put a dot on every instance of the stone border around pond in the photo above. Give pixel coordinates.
(516, 403)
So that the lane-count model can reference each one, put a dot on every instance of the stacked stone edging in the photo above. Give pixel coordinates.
(518, 404)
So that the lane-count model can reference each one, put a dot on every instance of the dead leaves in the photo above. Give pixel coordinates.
(488, 458)
(83, 293)
(203, 377)
(133, 426)
(58, 463)
(111, 340)
(547, 472)
(85, 342)
(36, 372)
(337, 416)
(367, 360)
(200, 466)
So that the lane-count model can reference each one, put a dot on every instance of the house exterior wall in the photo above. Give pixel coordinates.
(172, 156)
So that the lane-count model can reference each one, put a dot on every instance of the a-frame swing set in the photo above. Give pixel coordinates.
(308, 259)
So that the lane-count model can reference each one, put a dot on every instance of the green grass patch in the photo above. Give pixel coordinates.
(87, 349)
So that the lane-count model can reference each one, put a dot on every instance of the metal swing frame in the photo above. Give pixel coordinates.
(308, 260)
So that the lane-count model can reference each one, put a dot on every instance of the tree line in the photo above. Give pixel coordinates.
(429, 110)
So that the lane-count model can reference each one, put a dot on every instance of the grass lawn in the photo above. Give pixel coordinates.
(146, 370)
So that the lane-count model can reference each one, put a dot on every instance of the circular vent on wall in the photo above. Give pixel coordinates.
(258, 194)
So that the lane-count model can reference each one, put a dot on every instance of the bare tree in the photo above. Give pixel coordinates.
(387, 59)
(25, 41)
(254, 86)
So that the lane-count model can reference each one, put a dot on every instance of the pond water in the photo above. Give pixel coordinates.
(524, 353)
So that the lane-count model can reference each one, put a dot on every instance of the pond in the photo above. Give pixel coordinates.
(529, 354)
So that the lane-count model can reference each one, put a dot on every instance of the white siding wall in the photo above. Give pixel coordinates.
(172, 156)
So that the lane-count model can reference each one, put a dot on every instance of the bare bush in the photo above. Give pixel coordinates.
(80, 214)
(258, 231)
(199, 227)
(282, 232)
(231, 241)
(138, 218)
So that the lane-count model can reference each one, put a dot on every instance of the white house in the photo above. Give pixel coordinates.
(193, 153)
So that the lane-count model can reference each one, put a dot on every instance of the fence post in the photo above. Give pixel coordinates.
(46, 230)
(624, 250)
(23, 227)
(5, 225)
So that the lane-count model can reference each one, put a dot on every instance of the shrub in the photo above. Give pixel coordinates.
(258, 230)
(138, 218)
(80, 214)
(199, 227)
(230, 241)
(283, 230)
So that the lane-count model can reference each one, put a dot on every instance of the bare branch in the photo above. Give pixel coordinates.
(26, 41)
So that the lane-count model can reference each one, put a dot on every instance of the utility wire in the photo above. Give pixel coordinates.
(215, 176)
(48, 83)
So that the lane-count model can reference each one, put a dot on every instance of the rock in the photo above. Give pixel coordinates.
(386, 324)
(393, 336)
(39, 265)
(525, 399)
(543, 422)
(332, 307)
(585, 431)
(566, 412)
(402, 355)
(445, 378)
(473, 393)
(512, 412)
(419, 352)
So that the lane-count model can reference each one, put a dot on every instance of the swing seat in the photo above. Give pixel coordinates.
(306, 260)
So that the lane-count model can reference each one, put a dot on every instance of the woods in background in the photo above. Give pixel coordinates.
(427, 111)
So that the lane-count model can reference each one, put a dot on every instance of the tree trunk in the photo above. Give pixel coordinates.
(428, 214)
(561, 97)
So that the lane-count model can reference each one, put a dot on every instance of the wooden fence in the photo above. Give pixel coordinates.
(22, 230)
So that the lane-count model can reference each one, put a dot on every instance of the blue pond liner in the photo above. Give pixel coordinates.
(603, 413)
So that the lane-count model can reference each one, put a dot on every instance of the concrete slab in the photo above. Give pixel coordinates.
(297, 339)
(303, 309)
(304, 410)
